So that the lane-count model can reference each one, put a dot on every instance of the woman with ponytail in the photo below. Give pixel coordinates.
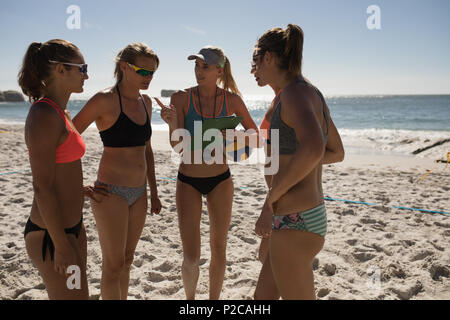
(216, 95)
(55, 236)
(293, 221)
(123, 116)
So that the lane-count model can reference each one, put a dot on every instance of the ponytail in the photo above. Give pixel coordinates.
(35, 72)
(118, 74)
(294, 48)
(32, 72)
(227, 79)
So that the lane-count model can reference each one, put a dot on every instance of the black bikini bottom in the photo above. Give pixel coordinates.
(204, 185)
(47, 242)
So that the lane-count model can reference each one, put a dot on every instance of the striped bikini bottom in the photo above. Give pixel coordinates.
(313, 220)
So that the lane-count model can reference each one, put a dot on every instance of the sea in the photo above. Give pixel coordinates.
(377, 124)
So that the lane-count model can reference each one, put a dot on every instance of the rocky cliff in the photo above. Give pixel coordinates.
(11, 96)
(167, 93)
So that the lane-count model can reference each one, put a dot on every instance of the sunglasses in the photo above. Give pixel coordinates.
(255, 60)
(83, 66)
(141, 71)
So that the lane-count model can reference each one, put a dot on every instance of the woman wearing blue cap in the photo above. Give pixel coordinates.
(197, 178)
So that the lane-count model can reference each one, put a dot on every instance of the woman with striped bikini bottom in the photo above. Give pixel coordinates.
(294, 215)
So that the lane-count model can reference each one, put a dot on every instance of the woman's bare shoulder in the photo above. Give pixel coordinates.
(179, 98)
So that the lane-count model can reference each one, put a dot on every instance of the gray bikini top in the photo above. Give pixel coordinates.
(288, 140)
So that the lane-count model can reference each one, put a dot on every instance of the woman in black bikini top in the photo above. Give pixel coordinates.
(123, 117)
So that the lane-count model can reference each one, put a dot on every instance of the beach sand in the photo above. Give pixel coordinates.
(371, 251)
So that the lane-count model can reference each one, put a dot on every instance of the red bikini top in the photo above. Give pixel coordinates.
(73, 148)
(264, 128)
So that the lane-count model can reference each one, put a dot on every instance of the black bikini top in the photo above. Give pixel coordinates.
(126, 133)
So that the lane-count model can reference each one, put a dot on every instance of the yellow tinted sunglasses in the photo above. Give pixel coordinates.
(141, 71)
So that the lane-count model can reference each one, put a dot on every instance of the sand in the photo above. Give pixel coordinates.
(371, 251)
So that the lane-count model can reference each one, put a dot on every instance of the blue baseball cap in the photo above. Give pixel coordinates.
(211, 55)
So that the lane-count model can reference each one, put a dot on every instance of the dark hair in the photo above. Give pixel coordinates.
(130, 53)
(35, 71)
(286, 44)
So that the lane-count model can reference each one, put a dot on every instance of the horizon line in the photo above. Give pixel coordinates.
(340, 95)
(325, 95)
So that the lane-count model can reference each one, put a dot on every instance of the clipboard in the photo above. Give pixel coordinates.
(220, 123)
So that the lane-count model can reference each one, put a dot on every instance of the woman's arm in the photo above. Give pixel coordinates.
(151, 178)
(300, 112)
(173, 115)
(238, 107)
(149, 157)
(334, 150)
(91, 111)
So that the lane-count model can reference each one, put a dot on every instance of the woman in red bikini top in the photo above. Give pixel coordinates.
(55, 237)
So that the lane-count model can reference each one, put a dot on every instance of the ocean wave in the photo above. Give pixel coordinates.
(404, 142)
(12, 122)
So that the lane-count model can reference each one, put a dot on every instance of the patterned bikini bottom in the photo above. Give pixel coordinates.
(313, 220)
(130, 194)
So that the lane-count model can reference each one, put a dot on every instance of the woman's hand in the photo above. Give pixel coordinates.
(168, 113)
(65, 256)
(156, 205)
(263, 227)
(96, 192)
(271, 199)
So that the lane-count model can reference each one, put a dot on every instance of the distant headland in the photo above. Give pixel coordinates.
(167, 93)
(11, 96)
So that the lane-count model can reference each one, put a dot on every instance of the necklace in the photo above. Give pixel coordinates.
(200, 104)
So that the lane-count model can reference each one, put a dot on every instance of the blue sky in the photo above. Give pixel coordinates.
(408, 55)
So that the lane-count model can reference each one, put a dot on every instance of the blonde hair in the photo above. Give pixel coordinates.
(130, 53)
(226, 80)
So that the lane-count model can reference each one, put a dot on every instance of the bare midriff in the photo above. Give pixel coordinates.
(123, 166)
(68, 190)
